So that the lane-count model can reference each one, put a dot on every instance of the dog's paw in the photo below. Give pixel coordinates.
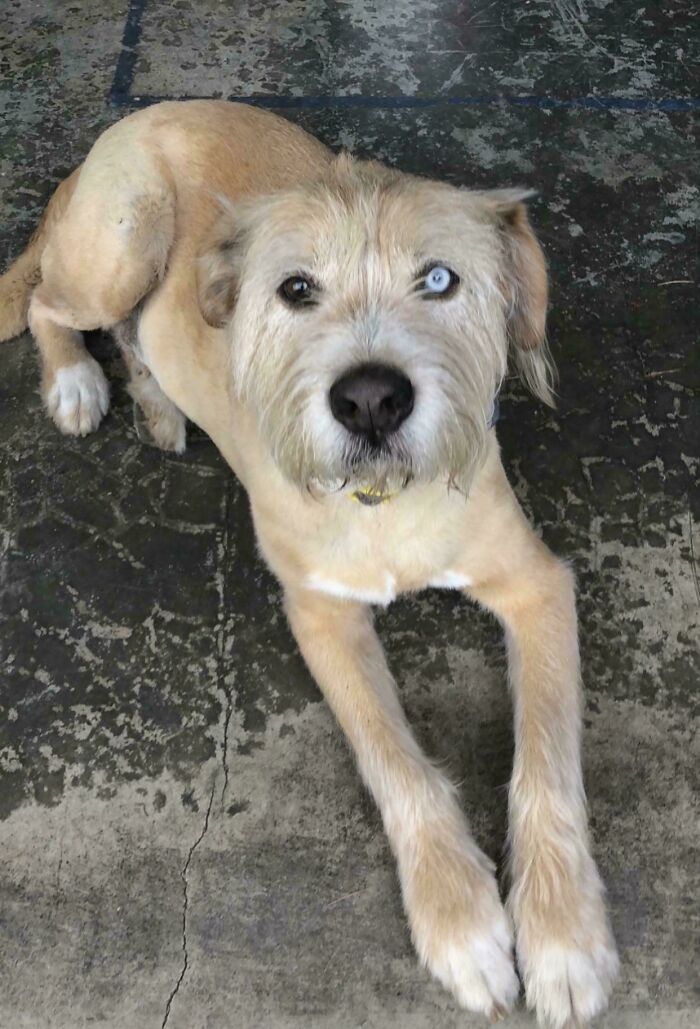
(157, 420)
(78, 397)
(165, 429)
(566, 952)
(460, 928)
(170, 431)
(477, 968)
(568, 987)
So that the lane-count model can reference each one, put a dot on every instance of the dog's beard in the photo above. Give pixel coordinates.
(331, 461)
(381, 469)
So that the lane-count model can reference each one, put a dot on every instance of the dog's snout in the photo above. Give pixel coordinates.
(372, 400)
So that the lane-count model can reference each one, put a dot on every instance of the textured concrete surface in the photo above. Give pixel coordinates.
(184, 838)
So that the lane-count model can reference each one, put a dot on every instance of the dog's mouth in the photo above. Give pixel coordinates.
(370, 475)
(377, 452)
(377, 471)
(371, 497)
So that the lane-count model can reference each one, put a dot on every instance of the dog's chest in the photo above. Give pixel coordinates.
(373, 555)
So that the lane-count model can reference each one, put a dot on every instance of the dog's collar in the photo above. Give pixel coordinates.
(372, 497)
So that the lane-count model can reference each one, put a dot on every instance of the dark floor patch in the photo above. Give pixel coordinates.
(458, 51)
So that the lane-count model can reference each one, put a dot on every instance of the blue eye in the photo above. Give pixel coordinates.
(438, 281)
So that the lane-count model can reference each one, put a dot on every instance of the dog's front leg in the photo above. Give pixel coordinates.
(565, 950)
(458, 924)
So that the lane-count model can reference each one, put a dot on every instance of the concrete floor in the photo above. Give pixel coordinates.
(184, 837)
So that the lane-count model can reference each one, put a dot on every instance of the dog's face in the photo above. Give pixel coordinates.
(370, 316)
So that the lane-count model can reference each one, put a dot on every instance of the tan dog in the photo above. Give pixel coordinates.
(341, 330)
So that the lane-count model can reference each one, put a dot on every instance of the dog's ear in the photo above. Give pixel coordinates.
(220, 264)
(525, 289)
(218, 272)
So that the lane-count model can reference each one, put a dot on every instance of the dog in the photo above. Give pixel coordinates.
(340, 330)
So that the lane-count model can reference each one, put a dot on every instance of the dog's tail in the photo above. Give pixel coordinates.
(18, 282)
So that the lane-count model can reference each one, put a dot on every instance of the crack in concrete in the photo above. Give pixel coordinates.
(185, 906)
(58, 899)
(224, 745)
(223, 628)
(693, 562)
(228, 710)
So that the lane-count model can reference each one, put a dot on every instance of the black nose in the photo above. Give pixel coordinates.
(372, 400)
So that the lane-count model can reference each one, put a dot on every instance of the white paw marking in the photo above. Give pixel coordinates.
(78, 398)
(450, 581)
(345, 592)
(479, 971)
(567, 986)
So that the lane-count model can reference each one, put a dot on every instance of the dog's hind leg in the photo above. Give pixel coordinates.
(158, 421)
(104, 253)
(73, 386)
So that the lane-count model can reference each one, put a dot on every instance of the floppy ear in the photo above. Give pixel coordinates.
(525, 290)
(219, 267)
(216, 286)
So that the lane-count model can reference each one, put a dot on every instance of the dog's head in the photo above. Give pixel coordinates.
(371, 314)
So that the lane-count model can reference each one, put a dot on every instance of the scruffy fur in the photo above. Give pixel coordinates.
(176, 233)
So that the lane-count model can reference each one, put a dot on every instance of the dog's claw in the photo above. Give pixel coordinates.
(498, 1013)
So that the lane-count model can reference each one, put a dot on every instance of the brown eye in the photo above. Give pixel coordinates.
(297, 291)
